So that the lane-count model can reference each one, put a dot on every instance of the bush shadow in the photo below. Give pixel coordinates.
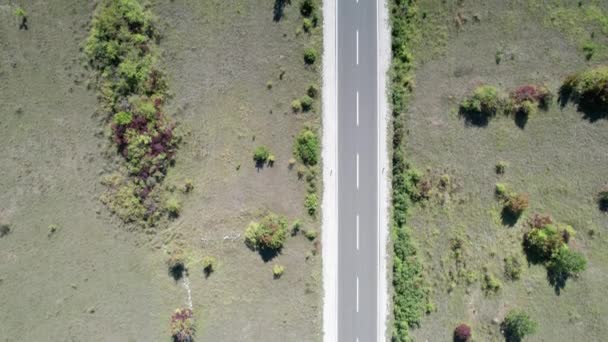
(177, 272)
(278, 10)
(592, 110)
(521, 119)
(474, 118)
(508, 217)
(557, 280)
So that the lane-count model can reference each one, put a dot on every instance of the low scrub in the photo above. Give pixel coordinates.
(310, 55)
(529, 97)
(311, 203)
(261, 155)
(589, 88)
(306, 147)
(463, 333)
(268, 234)
(517, 325)
(182, 325)
(483, 104)
(209, 264)
(516, 203)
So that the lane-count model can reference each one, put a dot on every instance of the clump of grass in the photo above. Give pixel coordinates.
(53, 228)
(21, 15)
(307, 24)
(513, 267)
(490, 284)
(306, 147)
(463, 333)
(188, 186)
(501, 190)
(517, 325)
(312, 91)
(173, 206)
(589, 88)
(306, 102)
(278, 270)
(311, 204)
(182, 325)
(602, 198)
(268, 234)
(310, 234)
(310, 55)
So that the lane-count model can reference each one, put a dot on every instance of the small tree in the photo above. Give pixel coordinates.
(268, 234)
(484, 102)
(307, 147)
(566, 263)
(462, 333)
(306, 102)
(517, 325)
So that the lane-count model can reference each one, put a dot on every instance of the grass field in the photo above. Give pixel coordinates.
(558, 157)
(233, 70)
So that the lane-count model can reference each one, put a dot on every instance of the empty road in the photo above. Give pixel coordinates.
(358, 163)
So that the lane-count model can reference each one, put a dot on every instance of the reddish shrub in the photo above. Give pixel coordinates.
(462, 333)
(540, 220)
(182, 325)
(533, 93)
(517, 203)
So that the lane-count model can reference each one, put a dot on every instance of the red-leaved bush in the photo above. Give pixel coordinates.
(462, 333)
(182, 325)
(532, 93)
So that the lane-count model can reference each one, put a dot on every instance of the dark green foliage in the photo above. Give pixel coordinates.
(410, 298)
(310, 55)
(306, 147)
(270, 233)
(313, 91)
(565, 264)
(517, 325)
(308, 7)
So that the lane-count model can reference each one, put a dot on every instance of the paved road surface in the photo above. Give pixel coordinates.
(357, 171)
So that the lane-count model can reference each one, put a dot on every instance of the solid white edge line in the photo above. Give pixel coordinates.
(330, 172)
(357, 171)
(357, 108)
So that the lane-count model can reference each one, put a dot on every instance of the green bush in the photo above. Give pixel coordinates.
(123, 118)
(500, 190)
(517, 325)
(261, 154)
(306, 147)
(296, 105)
(566, 263)
(312, 91)
(310, 234)
(278, 270)
(311, 204)
(310, 55)
(490, 284)
(306, 102)
(484, 102)
(268, 234)
(589, 87)
(307, 24)
(20, 12)
(173, 206)
(176, 264)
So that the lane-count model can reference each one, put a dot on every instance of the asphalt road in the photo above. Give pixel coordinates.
(357, 170)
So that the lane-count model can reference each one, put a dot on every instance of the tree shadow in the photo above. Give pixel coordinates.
(592, 109)
(5, 229)
(279, 9)
(267, 254)
(557, 280)
(508, 217)
(521, 119)
(177, 271)
(474, 118)
(601, 204)
(207, 271)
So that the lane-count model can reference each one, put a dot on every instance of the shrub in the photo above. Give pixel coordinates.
(306, 147)
(182, 325)
(306, 102)
(268, 234)
(310, 55)
(517, 325)
(490, 284)
(311, 234)
(589, 87)
(313, 91)
(516, 203)
(528, 97)
(277, 271)
(307, 24)
(566, 263)
(188, 186)
(311, 203)
(261, 155)
(20, 12)
(513, 267)
(53, 228)
(296, 105)
(173, 206)
(602, 198)
(271, 160)
(462, 333)
(307, 7)
(543, 244)
(501, 167)
(500, 190)
(485, 102)
(208, 264)
(296, 227)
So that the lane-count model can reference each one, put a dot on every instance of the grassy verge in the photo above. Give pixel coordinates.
(410, 292)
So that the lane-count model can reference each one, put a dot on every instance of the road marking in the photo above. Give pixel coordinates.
(357, 108)
(357, 171)
(357, 231)
(357, 294)
(357, 44)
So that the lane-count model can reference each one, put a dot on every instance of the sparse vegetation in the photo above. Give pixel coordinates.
(517, 325)
(490, 284)
(311, 204)
(182, 325)
(268, 234)
(306, 147)
(501, 167)
(513, 267)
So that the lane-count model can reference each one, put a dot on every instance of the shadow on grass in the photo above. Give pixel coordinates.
(521, 119)
(177, 271)
(267, 254)
(279, 9)
(592, 110)
(557, 280)
(474, 118)
(508, 217)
